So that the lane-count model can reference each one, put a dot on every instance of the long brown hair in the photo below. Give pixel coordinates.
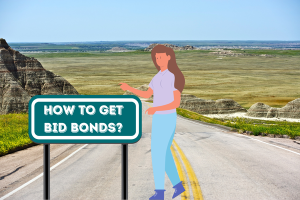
(172, 65)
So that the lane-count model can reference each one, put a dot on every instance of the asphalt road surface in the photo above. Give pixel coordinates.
(216, 164)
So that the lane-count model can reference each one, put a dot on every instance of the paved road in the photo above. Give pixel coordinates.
(227, 165)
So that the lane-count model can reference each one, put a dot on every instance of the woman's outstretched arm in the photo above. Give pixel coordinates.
(145, 94)
(174, 104)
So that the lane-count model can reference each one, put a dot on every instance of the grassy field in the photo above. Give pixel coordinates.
(271, 52)
(13, 132)
(245, 79)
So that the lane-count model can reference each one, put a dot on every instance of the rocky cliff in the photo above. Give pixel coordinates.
(22, 77)
(290, 110)
(203, 106)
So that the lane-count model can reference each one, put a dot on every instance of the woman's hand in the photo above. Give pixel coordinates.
(151, 110)
(145, 94)
(124, 86)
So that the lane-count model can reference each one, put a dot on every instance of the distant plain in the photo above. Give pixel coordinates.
(246, 79)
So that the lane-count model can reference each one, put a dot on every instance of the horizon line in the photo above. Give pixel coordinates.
(156, 40)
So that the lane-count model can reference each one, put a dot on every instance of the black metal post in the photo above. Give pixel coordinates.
(124, 171)
(46, 171)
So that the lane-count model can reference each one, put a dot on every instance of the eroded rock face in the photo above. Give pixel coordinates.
(203, 106)
(272, 112)
(22, 77)
(187, 96)
(290, 110)
(226, 106)
(258, 110)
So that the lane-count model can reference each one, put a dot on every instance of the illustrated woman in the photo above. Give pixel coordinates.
(166, 87)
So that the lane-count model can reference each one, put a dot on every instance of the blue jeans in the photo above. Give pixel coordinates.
(163, 130)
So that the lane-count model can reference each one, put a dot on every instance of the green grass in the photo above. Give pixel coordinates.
(13, 132)
(257, 126)
(270, 52)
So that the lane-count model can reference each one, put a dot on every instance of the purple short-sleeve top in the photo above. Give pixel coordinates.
(162, 85)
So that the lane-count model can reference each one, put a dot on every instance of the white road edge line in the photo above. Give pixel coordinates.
(271, 144)
(37, 177)
(242, 135)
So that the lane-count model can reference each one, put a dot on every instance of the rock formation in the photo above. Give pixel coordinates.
(174, 47)
(290, 110)
(187, 96)
(22, 77)
(203, 106)
(258, 110)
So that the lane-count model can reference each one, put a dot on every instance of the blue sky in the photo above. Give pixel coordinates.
(115, 20)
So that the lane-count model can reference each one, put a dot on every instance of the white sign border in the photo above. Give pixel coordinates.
(51, 100)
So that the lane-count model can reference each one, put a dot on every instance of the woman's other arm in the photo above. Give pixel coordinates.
(145, 94)
(174, 104)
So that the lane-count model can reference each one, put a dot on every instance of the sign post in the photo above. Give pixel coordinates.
(46, 171)
(124, 171)
(81, 119)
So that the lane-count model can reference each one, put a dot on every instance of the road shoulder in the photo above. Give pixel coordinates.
(286, 143)
(19, 167)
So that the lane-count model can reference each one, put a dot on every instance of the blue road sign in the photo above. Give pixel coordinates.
(65, 119)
